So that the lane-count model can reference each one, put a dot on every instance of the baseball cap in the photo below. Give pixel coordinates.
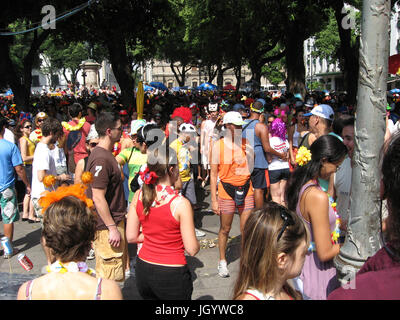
(136, 125)
(233, 117)
(323, 110)
(92, 133)
(238, 107)
(123, 113)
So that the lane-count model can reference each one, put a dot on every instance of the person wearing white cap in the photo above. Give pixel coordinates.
(229, 163)
(320, 123)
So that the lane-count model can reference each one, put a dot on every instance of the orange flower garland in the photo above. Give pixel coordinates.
(87, 177)
(75, 190)
(49, 181)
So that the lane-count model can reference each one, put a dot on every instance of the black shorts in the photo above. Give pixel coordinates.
(156, 282)
(259, 178)
(277, 175)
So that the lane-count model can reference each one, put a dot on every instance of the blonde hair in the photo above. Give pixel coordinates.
(260, 248)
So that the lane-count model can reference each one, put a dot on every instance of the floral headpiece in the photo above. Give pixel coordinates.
(148, 177)
(75, 190)
(303, 156)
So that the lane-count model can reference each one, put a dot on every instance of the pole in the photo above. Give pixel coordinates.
(363, 231)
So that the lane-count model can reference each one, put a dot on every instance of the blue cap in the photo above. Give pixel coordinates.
(238, 106)
(262, 101)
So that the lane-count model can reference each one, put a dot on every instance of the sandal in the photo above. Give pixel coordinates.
(33, 221)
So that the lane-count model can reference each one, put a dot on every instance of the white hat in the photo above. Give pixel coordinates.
(187, 128)
(136, 125)
(233, 117)
(92, 133)
(323, 110)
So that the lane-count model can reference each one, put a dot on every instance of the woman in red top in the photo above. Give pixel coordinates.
(163, 221)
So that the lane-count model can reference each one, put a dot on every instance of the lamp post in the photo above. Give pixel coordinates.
(84, 78)
(364, 229)
(199, 72)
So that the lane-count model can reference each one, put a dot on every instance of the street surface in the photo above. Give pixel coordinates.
(208, 285)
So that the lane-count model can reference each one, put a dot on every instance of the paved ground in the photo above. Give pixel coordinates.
(208, 285)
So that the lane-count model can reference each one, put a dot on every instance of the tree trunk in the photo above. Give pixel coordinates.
(294, 46)
(364, 227)
(238, 75)
(255, 68)
(122, 70)
(20, 84)
(349, 56)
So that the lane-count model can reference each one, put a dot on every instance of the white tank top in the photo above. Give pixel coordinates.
(296, 136)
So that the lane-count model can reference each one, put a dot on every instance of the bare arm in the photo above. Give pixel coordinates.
(213, 179)
(22, 174)
(99, 199)
(317, 207)
(263, 133)
(184, 214)
(290, 139)
(78, 171)
(133, 234)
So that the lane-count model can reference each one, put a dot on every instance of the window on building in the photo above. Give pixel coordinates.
(55, 80)
(35, 81)
(170, 85)
(194, 84)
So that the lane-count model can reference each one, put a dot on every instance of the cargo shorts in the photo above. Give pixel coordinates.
(110, 261)
(9, 205)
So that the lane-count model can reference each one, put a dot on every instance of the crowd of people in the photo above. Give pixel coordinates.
(97, 175)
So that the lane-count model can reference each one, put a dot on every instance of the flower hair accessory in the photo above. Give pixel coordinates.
(87, 177)
(75, 190)
(303, 156)
(148, 177)
(49, 181)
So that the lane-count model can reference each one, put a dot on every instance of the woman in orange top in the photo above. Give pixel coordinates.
(230, 164)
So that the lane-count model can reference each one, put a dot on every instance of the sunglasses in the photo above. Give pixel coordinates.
(40, 120)
(27, 127)
(287, 221)
(93, 144)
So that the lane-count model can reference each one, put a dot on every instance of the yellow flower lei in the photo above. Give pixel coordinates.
(303, 156)
(77, 127)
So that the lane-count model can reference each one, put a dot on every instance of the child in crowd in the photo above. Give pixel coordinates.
(274, 248)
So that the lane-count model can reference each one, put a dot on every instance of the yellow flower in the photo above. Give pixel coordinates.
(303, 156)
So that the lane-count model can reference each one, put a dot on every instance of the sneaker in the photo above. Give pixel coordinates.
(91, 255)
(8, 256)
(223, 269)
(199, 233)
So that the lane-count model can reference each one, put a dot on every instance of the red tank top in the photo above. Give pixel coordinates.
(163, 242)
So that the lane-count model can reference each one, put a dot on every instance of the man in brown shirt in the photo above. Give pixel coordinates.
(107, 193)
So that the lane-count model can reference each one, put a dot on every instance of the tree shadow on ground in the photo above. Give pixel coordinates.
(28, 241)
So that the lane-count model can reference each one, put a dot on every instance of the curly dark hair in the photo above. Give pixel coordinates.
(391, 183)
(69, 228)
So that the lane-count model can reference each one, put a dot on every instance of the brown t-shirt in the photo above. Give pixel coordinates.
(107, 175)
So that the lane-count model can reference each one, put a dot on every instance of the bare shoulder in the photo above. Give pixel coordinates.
(22, 291)
(110, 290)
(180, 203)
(315, 196)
